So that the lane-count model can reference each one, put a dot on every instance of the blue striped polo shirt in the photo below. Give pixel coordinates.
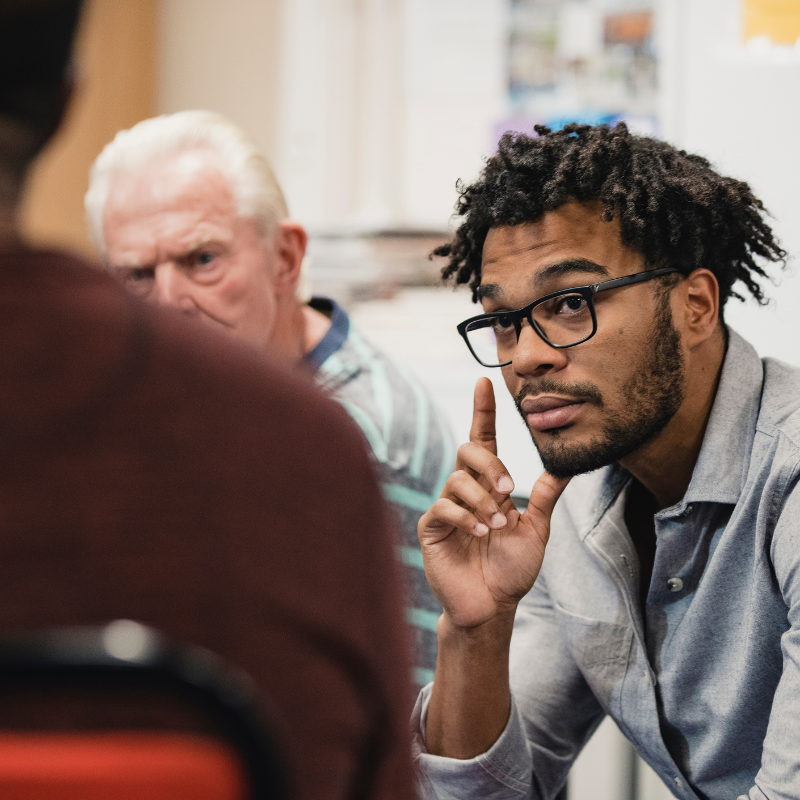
(411, 443)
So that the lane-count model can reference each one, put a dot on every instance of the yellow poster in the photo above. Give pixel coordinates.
(778, 20)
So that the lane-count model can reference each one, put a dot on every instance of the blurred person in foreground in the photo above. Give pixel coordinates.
(186, 212)
(153, 470)
(668, 596)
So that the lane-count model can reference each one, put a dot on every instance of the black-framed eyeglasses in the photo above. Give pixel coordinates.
(563, 319)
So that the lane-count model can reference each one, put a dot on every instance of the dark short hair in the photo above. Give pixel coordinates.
(672, 207)
(35, 48)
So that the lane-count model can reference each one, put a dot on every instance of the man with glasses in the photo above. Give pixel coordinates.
(669, 594)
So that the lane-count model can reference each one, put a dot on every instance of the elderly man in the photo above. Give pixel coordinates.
(155, 471)
(186, 212)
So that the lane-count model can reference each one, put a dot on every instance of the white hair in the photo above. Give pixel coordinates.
(253, 185)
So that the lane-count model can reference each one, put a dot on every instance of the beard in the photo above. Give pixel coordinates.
(652, 396)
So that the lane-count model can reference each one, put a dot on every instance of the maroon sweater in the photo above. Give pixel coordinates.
(150, 470)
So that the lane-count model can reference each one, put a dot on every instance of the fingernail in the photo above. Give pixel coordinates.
(498, 520)
(481, 529)
(505, 485)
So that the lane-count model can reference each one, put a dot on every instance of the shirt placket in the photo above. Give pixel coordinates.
(638, 706)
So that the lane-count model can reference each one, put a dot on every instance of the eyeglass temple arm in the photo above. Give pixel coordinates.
(629, 280)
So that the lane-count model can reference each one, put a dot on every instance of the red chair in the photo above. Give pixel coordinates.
(87, 756)
(123, 766)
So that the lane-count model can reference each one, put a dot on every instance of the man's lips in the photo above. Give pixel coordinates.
(548, 411)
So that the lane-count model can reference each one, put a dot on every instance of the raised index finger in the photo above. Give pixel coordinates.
(482, 431)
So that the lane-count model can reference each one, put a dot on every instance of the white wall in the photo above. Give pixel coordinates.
(223, 56)
(383, 104)
(740, 109)
(455, 93)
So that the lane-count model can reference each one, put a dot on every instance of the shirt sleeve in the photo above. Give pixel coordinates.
(553, 714)
(779, 775)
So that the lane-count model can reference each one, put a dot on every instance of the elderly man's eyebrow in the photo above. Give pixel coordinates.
(128, 264)
(573, 265)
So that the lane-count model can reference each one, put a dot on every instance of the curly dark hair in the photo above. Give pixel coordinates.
(672, 207)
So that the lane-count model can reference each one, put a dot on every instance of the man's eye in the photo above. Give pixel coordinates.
(204, 259)
(504, 329)
(571, 304)
(136, 279)
(503, 323)
(138, 275)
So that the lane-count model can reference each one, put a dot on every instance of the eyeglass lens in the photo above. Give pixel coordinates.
(563, 320)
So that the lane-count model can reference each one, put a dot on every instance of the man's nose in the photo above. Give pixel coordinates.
(534, 356)
(173, 288)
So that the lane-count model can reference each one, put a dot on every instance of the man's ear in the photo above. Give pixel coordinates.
(698, 295)
(290, 247)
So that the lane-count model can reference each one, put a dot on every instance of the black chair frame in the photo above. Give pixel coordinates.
(82, 658)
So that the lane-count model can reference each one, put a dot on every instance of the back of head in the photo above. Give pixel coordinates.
(35, 48)
(255, 190)
(672, 207)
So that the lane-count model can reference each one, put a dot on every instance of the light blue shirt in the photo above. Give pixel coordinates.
(710, 696)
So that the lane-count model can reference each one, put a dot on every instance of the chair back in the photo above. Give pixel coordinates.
(62, 748)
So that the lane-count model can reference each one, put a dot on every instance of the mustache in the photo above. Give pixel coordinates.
(583, 390)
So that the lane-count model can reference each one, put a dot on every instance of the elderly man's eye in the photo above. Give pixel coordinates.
(133, 274)
(204, 258)
(136, 279)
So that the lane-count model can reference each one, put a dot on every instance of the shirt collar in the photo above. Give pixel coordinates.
(335, 336)
(721, 470)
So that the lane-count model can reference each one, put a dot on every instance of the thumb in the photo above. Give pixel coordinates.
(544, 495)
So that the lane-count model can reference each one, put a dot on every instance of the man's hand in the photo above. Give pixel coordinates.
(481, 555)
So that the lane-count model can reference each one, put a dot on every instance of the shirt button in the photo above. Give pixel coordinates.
(679, 783)
(675, 584)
